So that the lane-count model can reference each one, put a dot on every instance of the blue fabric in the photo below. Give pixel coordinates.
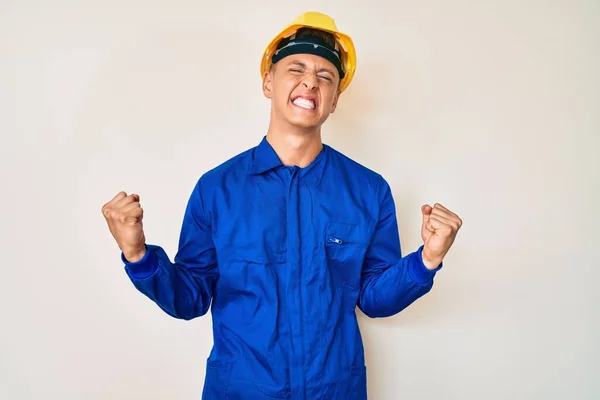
(285, 254)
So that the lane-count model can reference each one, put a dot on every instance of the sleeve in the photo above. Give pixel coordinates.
(183, 288)
(390, 282)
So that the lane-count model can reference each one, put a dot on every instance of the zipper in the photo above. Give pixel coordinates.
(334, 240)
(338, 241)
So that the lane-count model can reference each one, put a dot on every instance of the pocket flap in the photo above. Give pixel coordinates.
(345, 233)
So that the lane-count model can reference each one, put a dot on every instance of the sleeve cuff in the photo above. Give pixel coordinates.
(143, 268)
(417, 270)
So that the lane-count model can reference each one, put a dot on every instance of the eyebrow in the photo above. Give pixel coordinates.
(302, 65)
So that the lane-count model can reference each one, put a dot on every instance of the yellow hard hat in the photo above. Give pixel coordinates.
(322, 22)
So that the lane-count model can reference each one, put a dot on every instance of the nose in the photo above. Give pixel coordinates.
(310, 81)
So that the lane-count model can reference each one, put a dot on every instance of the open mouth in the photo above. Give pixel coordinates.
(307, 104)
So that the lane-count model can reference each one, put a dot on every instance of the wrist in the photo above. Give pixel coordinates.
(134, 255)
(430, 263)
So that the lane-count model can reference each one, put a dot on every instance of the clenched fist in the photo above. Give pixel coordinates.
(438, 232)
(124, 217)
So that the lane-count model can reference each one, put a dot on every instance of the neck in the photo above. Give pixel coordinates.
(294, 147)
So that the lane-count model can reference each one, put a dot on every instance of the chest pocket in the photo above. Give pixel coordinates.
(345, 246)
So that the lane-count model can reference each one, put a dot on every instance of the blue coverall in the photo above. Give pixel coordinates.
(285, 254)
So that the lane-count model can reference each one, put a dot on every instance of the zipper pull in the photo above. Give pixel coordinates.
(335, 240)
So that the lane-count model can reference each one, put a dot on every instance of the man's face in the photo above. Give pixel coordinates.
(303, 89)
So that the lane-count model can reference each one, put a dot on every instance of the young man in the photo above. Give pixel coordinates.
(286, 239)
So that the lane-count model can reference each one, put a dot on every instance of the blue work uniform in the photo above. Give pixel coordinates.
(285, 254)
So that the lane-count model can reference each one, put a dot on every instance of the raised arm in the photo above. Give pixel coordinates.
(390, 282)
(183, 288)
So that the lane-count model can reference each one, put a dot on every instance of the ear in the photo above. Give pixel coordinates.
(268, 84)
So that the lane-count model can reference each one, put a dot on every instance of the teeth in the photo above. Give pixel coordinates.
(304, 103)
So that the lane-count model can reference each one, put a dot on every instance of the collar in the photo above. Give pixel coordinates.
(264, 158)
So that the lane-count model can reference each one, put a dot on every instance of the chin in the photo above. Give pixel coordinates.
(306, 123)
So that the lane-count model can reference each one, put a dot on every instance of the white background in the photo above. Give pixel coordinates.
(491, 108)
